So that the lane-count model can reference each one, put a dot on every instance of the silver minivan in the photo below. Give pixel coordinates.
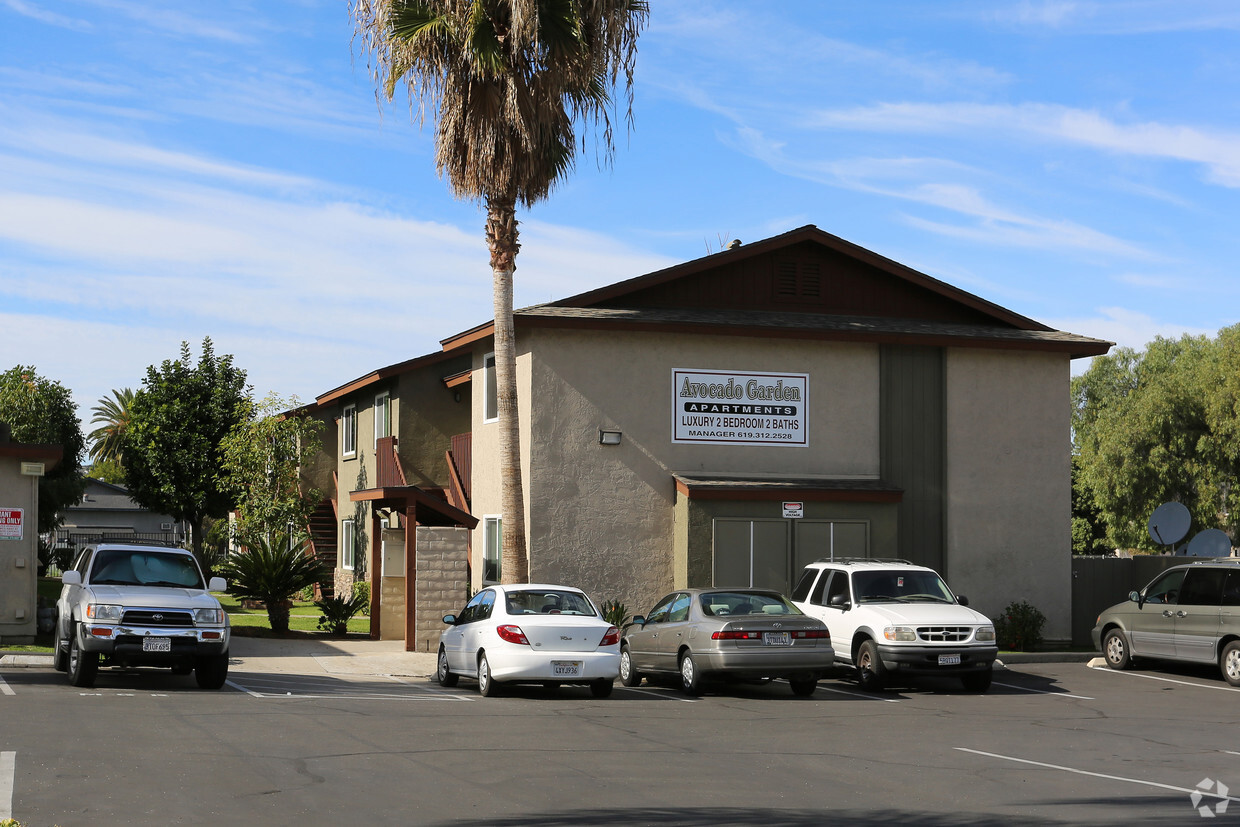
(1188, 613)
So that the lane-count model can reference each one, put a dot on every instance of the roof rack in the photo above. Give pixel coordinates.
(851, 560)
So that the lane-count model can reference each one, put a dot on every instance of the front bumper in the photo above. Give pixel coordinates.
(925, 659)
(123, 643)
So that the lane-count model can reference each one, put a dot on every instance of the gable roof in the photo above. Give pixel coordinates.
(805, 283)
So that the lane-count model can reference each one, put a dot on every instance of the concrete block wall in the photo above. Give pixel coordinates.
(442, 581)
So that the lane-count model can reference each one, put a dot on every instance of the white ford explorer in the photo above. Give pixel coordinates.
(140, 605)
(890, 617)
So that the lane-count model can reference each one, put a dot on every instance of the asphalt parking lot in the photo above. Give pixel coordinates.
(1049, 743)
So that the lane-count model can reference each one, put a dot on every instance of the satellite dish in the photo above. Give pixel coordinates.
(1169, 523)
(1210, 543)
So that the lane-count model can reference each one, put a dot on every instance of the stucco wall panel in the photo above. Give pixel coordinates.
(1009, 482)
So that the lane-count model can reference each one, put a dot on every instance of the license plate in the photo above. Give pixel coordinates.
(776, 639)
(566, 668)
(156, 644)
(949, 660)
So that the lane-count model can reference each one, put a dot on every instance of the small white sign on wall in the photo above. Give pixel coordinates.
(11, 523)
(794, 511)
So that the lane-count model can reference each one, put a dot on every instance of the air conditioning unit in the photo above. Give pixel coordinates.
(165, 526)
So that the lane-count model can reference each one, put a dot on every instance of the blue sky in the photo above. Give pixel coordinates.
(170, 171)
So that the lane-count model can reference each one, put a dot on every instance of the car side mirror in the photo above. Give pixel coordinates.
(450, 620)
(839, 601)
(962, 600)
(72, 577)
(638, 620)
(1135, 597)
(217, 584)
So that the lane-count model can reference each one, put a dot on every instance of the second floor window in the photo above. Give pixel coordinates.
(490, 411)
(348, 428)
(383, 416)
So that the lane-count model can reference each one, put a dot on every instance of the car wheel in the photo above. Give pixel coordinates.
(210, 671)
(803, 688)
(977, 681)
(690, 675)
(442, 673)
(487, 686)
(60, 658)
(83, 666)
(1229, 661)
(1115, 649)
(871, 675)
(629, 676)
(601, 688)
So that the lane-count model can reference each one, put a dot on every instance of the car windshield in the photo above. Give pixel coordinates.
(718, 604)
(900, 586)
(548, 601)
(144, 568)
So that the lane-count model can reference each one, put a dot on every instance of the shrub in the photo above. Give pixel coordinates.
(1019, 628)
(362, 588)
(339, 610)
(615, 613)
(273, 569)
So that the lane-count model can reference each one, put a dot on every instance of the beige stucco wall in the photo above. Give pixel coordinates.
(19, 558)
(601, 517)
(1008, 491)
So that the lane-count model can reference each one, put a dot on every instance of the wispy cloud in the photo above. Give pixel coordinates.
(40, 13)
(1120, 17)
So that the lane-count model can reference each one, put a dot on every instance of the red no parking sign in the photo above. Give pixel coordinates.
(11, 523)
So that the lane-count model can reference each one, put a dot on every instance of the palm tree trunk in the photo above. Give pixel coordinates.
(502, 240)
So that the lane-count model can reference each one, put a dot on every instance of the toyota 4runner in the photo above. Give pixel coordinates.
(890, 617)
(135, 605)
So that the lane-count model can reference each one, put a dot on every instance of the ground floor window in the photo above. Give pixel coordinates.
(492, 534)
(348, 544)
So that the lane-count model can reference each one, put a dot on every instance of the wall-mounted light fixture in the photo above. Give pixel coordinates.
(608, 437)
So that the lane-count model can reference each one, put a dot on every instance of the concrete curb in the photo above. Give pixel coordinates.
(1045, 657)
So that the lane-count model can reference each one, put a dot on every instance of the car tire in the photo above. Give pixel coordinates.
(601, 688)
(871, 674)
(60, 658)
(1115, 649)
(488, 687)
(83, 666)
(803, 688)
(690, 675)
(211, 671)
(629, 676)
(1229, 663)
(444, 675)
(977, 681)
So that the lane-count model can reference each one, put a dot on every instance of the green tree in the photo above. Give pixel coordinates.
(177, 422)
(107, 470)
(1155, 427)
(112, 417)
(509, 83)
(262, 461)
(1089, 530)
(273, 569)
(41, 412)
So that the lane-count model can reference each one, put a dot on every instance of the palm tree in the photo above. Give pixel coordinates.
(508, 81)
(112, 415)
(272, 569)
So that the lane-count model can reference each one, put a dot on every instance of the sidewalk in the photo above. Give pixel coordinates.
(298, 656)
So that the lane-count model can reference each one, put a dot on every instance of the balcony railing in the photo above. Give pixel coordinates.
(387, 464)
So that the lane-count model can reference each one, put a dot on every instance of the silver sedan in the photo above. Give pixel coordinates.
(704, 635)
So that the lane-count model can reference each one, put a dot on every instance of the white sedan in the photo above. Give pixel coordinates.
(529, 633)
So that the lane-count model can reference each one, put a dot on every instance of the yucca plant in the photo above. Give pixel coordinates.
(339, 610)
(615, 613)
(272, 569)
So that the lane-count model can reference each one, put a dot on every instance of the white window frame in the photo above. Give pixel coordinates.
(348, 427)
(492, 535)
(490, 389)
(348, 544)
(383, 416)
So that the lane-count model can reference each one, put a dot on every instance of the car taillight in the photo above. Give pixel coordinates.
(812, 633)
(730, 634)
(512, 634)
(611, 638)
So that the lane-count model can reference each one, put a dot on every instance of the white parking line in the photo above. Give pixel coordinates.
(868, 697)
(1165, 680)
(1074, 770)
(1044, 691)
(5, 689)
(8, 767)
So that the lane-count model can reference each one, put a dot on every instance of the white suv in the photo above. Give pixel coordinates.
(890, 617)
(136, 605)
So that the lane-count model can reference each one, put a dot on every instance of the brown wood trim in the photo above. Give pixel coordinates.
(380, 375)
(469, 337)
(819, 495)
(411, 579)
(455, 380)
(50, 454)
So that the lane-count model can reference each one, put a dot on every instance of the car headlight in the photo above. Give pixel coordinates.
(900, 633)
(104, 612)
(985, 632)
(208, 617)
